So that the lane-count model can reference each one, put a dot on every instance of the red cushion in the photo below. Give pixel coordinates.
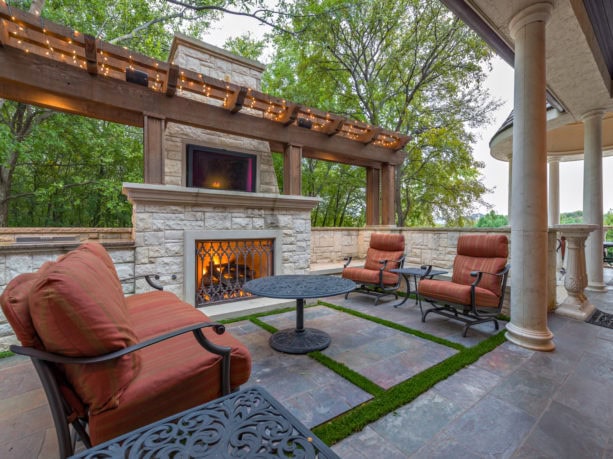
(369, 276)
(16, 308)
(78, 309)
(155, 313)
(483, 245)
(387, 242)
(445, 291)
(479, 252)
(164, 387)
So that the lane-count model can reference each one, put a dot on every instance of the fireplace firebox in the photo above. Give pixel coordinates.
(220, 169)
(223, 266)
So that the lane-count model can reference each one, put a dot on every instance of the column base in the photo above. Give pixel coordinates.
(530, 339)
(596, 287)
(574, 308)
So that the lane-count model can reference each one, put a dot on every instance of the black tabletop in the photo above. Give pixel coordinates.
(299, 286)
(418, 271)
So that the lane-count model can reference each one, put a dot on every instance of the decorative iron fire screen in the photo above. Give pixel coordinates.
(222, 267)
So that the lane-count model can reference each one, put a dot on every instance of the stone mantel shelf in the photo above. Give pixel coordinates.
(178, 195)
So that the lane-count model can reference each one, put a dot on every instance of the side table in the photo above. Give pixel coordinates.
(247, 423)
(416, 273)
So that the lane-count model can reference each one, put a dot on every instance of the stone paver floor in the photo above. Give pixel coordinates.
(513, 402)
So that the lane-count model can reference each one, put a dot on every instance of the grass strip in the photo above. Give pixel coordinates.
(347, 373)
(403, 393)
(396, 326)
(4, 354)
(269, 328)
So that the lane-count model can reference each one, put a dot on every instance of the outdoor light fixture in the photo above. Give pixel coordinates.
(137, 76)
(305, 123)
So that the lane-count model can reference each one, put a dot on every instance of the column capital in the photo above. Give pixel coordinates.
(595, 113)
(553, 159)
(536, 12)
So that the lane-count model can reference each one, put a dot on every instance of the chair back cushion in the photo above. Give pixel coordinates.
(481, 252)
(16, 308)
(78, 310)
(384, 247)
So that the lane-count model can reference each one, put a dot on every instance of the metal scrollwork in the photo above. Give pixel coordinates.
(246, 424)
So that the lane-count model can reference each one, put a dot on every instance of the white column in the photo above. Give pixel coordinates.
(592, 198)
(554, 192)
(528, 325)
(510, 195)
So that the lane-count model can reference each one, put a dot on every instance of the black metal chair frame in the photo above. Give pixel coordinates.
(471, 314)
(62, 413)
(379, 290)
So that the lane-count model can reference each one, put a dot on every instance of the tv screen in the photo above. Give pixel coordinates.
(220, 169)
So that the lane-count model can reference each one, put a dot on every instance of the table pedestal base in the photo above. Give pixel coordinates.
(292, 341)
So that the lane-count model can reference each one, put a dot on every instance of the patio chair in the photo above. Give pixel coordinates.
(108, 363)
(385, 252)
(476, 291)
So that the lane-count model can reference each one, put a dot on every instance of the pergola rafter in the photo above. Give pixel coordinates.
(46, 64)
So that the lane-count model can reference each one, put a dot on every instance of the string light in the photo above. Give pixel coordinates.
(54, 46)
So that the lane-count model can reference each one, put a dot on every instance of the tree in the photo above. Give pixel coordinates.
(492, 220)
(406, 65)
(65, 166)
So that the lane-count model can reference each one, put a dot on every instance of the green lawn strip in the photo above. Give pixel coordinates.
(4, 354)
(403, 393)
(344, 371)
(396, 326)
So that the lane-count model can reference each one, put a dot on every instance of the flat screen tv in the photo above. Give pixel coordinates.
(220, 169)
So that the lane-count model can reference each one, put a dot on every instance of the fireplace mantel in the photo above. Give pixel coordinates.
(172, 195)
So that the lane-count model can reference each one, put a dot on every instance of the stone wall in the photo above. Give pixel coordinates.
(165, 255)
(217, 63)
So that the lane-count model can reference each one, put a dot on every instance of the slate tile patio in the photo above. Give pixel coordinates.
(513, 402)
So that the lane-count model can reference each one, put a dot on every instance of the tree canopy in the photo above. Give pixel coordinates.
(405, 65)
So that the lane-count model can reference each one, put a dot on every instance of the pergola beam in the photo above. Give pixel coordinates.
(72, 90)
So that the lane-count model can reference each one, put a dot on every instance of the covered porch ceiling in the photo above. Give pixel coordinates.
(579, 48)
(49, 65)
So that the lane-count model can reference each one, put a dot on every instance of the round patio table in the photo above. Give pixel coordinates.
(299, 340)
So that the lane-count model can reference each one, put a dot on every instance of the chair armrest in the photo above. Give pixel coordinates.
(149, 278)
(196, 329)
(427, 268)
(384, 263)
(347, 260)
(479, 274)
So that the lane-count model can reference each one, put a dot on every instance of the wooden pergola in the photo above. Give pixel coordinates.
(49, 65)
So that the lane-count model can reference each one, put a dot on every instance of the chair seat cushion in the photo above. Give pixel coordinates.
(158, 312)
(163, 388)
(450, 292)
(369, 276)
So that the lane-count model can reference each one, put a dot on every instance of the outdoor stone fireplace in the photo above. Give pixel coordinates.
(214, 231)
(224, 260)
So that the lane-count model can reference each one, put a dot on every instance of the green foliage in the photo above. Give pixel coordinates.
(70, 173)
(246, 46)
(608, 221)
(406, 65)
(492, 220)
(567, 218)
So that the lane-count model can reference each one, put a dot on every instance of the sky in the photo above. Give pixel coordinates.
(496, 173)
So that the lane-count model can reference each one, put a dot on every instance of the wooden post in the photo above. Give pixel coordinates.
(292, 171)
(373, 195)
(387, 194)
(153, 137)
